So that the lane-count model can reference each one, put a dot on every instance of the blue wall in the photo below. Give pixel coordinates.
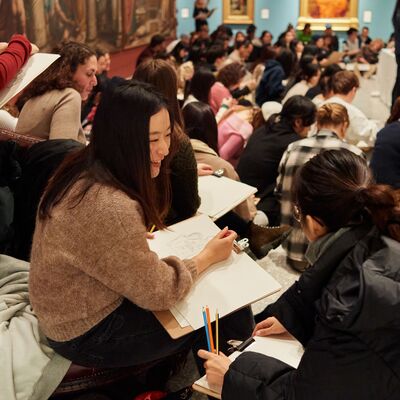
(281, 12)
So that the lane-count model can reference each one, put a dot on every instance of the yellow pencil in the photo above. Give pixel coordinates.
(152, 229)
(216, 331)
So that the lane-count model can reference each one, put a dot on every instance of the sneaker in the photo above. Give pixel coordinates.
(263, 240)
(261, 218)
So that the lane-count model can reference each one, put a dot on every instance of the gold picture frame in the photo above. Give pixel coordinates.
(341, 14)
(238, 11)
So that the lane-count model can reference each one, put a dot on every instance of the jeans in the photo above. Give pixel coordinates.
(132, 336)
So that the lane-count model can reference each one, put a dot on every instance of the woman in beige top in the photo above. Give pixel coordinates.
(52, 103)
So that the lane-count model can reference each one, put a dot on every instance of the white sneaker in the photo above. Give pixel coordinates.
(261, 218)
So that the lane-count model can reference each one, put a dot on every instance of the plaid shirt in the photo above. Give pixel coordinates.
(297, 154)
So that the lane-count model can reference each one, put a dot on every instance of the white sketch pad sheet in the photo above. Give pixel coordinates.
(226, 286)
(220, 195)
(35, 65)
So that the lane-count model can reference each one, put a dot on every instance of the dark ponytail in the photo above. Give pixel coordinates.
(336, 187)
(383, 205)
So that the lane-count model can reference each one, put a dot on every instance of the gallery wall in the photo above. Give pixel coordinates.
(283, 11)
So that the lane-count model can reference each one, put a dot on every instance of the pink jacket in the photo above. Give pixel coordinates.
(218, 93)
(233, 134)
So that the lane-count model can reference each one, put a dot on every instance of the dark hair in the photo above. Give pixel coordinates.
(163, 77)
(99, 52)
(296, 107)
(287, 59)
(157, 40)
(351, 30)
(245, 43)
(266, 53)
(309, 70)
(325, 81)
(251, 29)
(310, 49)
(336, 187)
(344, 82)
(231, 74)
(60, 73)
(214, 52)
(395, 113)
(201, 84)
(118, 154)
(264, 33)
(200, 123)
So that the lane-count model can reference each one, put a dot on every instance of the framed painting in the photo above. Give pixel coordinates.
(238, 11)
(341, 14)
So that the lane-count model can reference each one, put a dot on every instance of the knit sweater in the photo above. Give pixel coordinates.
(88, 257)
(53, 115)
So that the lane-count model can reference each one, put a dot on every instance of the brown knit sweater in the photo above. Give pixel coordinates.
(86, 259)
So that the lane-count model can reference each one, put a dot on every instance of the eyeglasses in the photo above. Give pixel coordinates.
(297, 213)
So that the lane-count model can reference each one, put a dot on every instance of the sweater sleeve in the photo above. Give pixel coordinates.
(130, 268)
(66, 118)
(13, 58)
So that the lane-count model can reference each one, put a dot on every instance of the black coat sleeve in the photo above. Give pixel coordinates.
(257, 377)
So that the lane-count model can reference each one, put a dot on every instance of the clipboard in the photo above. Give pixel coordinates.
(283, 347)
(35, 65)
(220, 194)
(249, 282)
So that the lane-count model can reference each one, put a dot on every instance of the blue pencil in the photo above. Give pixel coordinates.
(206, 328)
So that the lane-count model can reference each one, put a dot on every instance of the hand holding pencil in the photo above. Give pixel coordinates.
(219, 248)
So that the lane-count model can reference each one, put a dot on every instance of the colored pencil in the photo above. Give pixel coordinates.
(216, 331)
(152, 229)
(206, 328)
(210, 330)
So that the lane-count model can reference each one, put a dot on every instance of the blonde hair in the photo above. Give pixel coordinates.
(332, 114)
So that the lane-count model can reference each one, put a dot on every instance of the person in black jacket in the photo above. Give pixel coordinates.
(258, 164)
(345, 309)
(385, 161)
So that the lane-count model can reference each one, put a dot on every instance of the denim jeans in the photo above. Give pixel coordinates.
(132, 336)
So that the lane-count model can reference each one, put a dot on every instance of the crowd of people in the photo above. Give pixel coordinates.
(277, 115)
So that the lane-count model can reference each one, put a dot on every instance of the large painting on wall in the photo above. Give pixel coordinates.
(342, 14)
(110, 24)
(238, 11)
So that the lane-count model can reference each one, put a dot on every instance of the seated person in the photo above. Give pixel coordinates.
(351, 46)
(332, 122)
(201, 127)
(308, 77)
(52, 102)
(93, 279)
(361, 131)
(277, 69)
(258, 164)
(369, 54)
(385, 161)
(345, 309)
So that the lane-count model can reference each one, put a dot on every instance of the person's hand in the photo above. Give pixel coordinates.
(270, 326)
(251, 84)
(204, 169)
(228, 102)
(3, 46)
(216, 366)
(219, 248)
(34, 49)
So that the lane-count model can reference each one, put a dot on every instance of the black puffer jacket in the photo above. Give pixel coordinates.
(346, 312)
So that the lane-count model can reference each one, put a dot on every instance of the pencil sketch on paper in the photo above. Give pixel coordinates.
(188, 245)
